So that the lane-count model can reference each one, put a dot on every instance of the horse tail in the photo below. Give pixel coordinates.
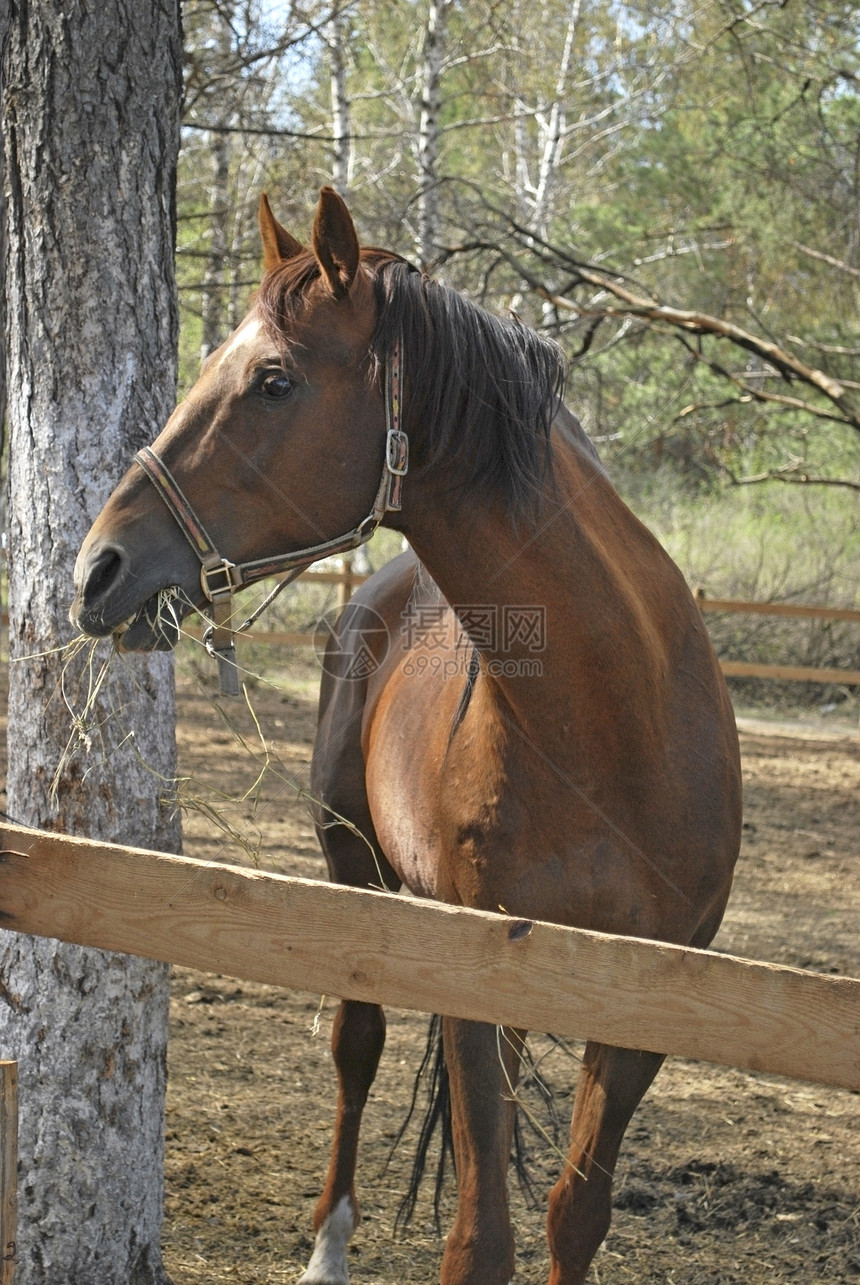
(437, 1115)
(433, 1075)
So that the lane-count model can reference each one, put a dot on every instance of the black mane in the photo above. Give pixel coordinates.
(480, 392)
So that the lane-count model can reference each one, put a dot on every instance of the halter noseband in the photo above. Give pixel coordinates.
(220, 578)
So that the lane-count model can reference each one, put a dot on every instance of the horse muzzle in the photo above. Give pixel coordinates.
(142, 612)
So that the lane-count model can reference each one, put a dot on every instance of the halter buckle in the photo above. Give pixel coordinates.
(397, 452)
(230, 581)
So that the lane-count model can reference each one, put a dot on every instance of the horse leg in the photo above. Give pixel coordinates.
(482, 1066)
(611, 1084)
(353, 857)
(357, 1040)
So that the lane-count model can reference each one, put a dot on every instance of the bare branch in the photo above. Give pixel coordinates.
(828, 259)
(792, 473)
(833, 350)
(687, 321)
(701, 323)
(749, 393)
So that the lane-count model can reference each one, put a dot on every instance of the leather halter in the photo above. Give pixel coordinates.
(220, 578)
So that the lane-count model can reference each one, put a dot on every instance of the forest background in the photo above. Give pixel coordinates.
(669, 189)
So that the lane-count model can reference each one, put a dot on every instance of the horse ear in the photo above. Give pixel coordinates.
(335, 242)
(278, 245)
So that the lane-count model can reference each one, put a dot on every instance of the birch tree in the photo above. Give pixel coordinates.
(217, 256)
(505, 142)
(91, 101)
(429, 132)
(340, 113)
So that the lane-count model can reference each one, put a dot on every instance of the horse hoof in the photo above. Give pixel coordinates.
(327, 1265)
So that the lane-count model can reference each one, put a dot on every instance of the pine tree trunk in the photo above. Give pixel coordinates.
(4, 31)
(91, 102)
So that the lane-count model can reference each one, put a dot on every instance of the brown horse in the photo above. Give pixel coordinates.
(524, 714)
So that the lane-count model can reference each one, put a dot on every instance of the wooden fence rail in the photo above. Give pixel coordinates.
(414, 954)
(348, 580)
(798, 609)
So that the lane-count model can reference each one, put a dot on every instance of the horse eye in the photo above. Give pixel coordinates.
(276, 384)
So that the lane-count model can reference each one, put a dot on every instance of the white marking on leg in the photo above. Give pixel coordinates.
(328, 1261)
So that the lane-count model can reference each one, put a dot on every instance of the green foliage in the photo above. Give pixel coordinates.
(757, 546)
(705, 156)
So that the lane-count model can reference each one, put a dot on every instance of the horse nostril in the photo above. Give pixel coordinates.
(102, 575)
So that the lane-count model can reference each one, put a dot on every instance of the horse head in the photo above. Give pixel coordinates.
(278, 448)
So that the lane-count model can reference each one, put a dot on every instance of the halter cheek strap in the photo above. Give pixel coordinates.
(220, 578)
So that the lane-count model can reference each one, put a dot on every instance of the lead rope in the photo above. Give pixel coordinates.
(220, 578)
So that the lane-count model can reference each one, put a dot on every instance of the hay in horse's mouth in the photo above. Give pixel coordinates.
(155, 626)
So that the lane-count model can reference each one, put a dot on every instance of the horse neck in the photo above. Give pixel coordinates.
(570, 597)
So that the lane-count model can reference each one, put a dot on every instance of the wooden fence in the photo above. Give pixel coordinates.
(390, 949)
(793, 673)
(347, 580)
(387, 949)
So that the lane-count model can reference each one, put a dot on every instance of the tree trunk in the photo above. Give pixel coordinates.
(552, 129)
(216, 259)
(4, 31)
(429, 133)
(340, 113)
(91, 104)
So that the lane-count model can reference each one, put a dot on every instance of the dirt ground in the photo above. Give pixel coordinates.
(726, 1177)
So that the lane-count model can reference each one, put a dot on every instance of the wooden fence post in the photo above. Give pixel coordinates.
(344, 588)
(8, 1170)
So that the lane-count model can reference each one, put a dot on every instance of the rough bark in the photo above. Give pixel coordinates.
(5, 17)
(91, 102)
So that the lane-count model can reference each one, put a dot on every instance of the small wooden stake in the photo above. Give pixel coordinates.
(8, 1170)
